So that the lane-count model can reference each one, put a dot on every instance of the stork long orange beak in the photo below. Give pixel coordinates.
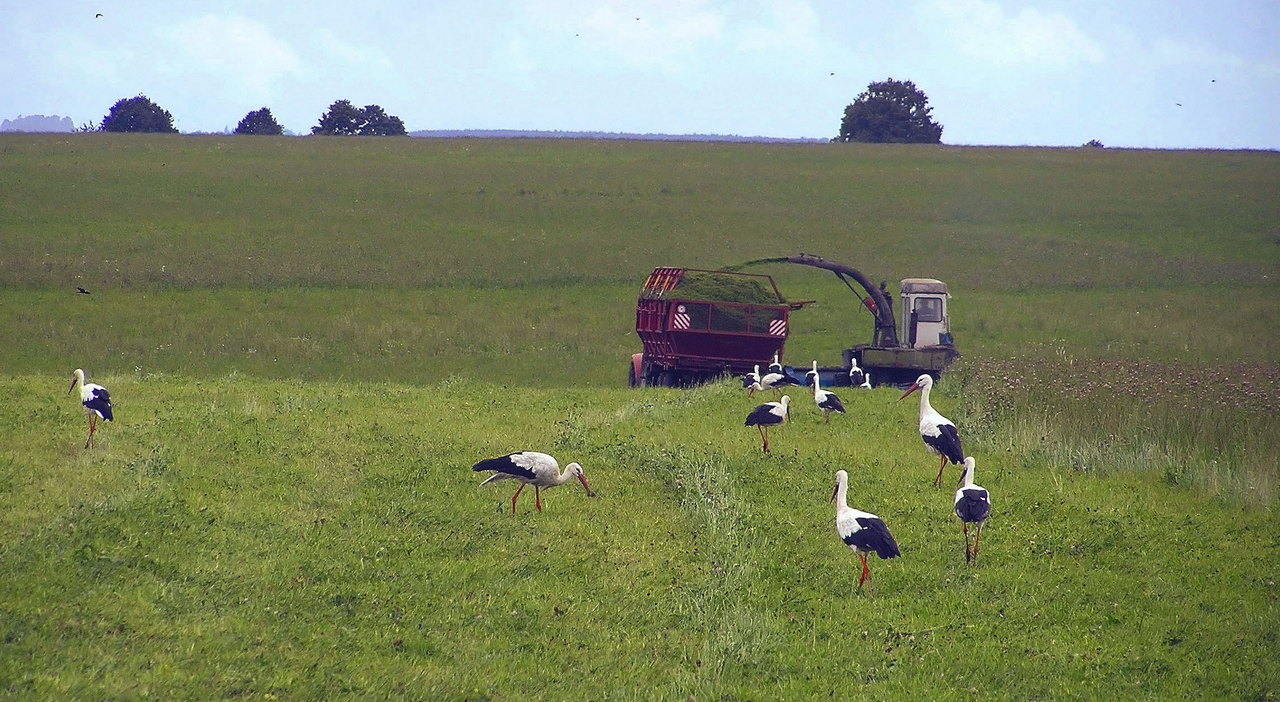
(834, 491)
(583, 479)
(73, 386)
(913, 388)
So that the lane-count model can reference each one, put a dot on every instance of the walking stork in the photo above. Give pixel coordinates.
(973, 506)
(767, 415)
(863, 532)
(96, 401)
(938, 432)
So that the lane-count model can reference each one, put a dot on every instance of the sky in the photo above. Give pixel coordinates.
(1169, 74)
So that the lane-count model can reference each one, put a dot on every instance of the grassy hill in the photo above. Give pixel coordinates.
(311, 340)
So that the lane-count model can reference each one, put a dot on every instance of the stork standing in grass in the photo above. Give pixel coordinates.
(861, 531)
(775, 367)
(777, 377)
(939, 433)
(751, 381)
(531, 468)
(973, 506)
(767, 415)
(858, 378)
(827, 402)
(96, 401)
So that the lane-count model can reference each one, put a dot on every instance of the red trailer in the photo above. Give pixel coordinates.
(697, 324)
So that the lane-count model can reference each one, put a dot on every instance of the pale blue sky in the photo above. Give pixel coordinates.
(1143, 73)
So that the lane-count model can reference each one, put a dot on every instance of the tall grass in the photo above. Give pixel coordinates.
(1209, 429)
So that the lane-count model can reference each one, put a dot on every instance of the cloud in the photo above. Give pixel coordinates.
(352, 55)
(789, 25)
(1031, 37)
(242, 51)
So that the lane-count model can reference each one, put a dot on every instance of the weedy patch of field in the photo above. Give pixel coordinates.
(236, 537)
(1209, 428)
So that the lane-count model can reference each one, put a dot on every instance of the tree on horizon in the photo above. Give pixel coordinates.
(259, 122)
(890, 111)
(138, 114)
(345, 119)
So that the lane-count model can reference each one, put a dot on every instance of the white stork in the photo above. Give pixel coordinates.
(775, 367)
(777, 377)
(939, 433)
(96, 401)
(861, 531)
(767, 415)
(751, 381)
(531, 468)
(858, 378)
(973, 505)
(826, 401)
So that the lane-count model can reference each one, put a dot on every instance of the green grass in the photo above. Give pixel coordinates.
(140, 211)
(309, 341)
(245, 538)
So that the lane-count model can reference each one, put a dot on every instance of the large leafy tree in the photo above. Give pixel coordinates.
(345, 119)
(138, 114)
(890, 111)
(379, 123)
(259, 122)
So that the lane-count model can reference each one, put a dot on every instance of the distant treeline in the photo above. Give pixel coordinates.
(536, 134)
(37, 123)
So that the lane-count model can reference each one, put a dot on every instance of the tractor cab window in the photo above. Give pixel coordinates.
(928, 309)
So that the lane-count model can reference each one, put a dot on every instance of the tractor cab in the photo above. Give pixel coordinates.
(924, 312)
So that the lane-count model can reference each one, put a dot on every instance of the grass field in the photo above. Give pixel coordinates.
(309, 341)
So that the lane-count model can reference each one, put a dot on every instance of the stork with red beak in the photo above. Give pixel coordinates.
(96, 402)
(863, 532)
(531, 468)
(938, 432)
(973, 506)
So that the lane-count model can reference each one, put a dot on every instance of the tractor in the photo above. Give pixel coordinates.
(697, 325)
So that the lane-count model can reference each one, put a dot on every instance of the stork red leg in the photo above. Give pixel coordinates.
(537, 497)
(976, 539)
(937, 482)
(968, 556)
(764, 434)
(513, 499)
(866, 572)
